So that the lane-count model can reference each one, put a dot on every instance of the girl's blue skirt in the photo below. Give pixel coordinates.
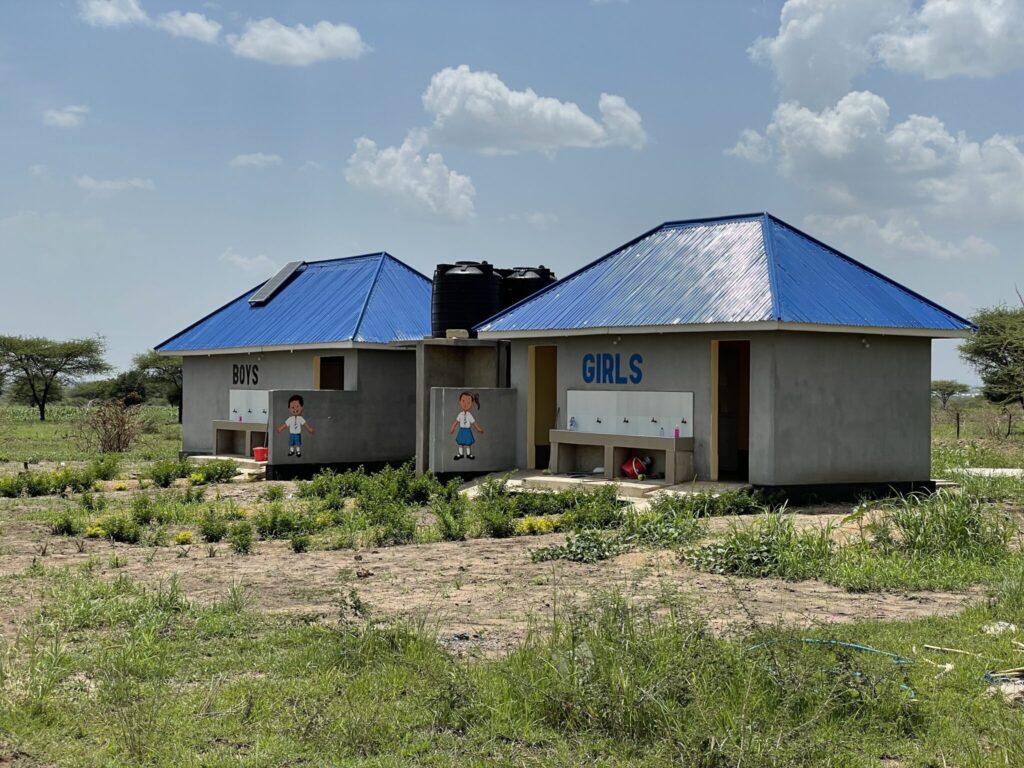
(464, 436)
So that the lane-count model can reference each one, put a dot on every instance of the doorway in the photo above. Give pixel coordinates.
(730, 413)
(541, 405)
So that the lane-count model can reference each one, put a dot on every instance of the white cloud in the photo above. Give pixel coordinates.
(976, 38)
(822, 46)
(260, 264)
(898, 236)
(270, 41)
(311, 165)
(192, 25)
(539, 219)
(255, 160)
(476, 110)
(111, 13)
(849, 153)
(425, 182)
(70, 116)
(98, 186)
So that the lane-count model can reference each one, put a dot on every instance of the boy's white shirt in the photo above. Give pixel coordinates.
(465, 419)
(295, 424)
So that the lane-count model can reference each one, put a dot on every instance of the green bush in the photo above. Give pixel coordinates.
(299, 542)
(769, 546)
(59, 480)
(586, 547)
(272, 493)
(327, 484)
(451, 509)
(164, 473)
(91, 502)
(217, 470)
(496, 516)
(667, 522)
(212, 526)
(276, 521)
(593, 509)
(240, 537)
(66, 523)
(121, 528)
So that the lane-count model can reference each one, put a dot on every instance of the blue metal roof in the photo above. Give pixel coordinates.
(738, 269)
(372, 299)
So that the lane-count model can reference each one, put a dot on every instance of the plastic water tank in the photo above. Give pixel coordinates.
(522, 282)
(464, 293)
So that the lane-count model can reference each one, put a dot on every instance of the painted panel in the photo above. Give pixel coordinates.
(249, 406)
(474, 432)
(618, 412)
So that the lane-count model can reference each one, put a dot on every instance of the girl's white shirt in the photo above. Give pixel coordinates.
(465, 419)
(295, 424)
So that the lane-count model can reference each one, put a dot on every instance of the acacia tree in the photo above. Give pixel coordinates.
(165, 371)
(43, 365)
(996, 350)
(944, 389)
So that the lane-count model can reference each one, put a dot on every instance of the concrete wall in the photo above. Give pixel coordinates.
(849, 413)
(206, 382)
(823, 408)
(373, 423)
(494, 449)
(451, 363)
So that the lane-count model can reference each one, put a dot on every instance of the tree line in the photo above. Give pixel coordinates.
(38, 372)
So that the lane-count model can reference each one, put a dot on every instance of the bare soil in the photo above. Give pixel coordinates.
(481, 596)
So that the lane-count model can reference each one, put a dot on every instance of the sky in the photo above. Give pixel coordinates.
(158, 159)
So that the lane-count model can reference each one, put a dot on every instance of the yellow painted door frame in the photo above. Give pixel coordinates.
(713, 458)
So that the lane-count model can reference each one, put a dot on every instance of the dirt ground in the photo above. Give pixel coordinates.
(480, 595)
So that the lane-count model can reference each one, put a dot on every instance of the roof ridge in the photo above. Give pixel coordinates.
(865, 268)
(369, 294)
(769, 255)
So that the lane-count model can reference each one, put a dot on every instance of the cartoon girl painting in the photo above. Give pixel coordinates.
(294, 425)
(465, 423)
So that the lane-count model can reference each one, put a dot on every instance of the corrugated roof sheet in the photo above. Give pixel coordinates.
(373, 298)
(737, 269)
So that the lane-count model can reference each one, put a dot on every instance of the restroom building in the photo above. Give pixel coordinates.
(324, 331)
(728, 348)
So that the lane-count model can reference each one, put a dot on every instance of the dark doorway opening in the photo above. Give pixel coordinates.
(542, 405)
(733, 410)
(332, 373)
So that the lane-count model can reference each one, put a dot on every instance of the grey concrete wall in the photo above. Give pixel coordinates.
(206, 382)
(449, 363)
(375, 422)
(494, 450)
(849, 413)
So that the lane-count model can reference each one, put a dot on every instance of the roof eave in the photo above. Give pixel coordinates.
(757, 326)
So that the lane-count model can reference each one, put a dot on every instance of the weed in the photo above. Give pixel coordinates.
(299, 542)
(212, 525)
(66, 523)
(585, 547)
(272, 493)
(182, 538)
(450, 508)
(240, 537)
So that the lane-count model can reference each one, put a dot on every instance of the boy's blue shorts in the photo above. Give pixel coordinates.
(295, 439)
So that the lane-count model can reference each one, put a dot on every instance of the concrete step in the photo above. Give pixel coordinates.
(629, 489)
(245, 466)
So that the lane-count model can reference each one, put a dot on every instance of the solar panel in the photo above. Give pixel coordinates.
(274, 284)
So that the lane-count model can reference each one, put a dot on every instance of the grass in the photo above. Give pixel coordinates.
(25, 438)
(111, 673)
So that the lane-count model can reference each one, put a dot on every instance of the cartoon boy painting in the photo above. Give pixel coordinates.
(294, 425)
(465, 422)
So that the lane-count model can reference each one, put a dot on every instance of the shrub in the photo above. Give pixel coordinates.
(328, 483)
(240, 537)
(212, 526)
(594, 509)
(217, 471)
(121, 528)
(273, 493)
(142, 509)
(299, 542)
(112, 426)
(450, 508)
(197, 478)
(95, 532)
(537, 526)
(586, 547)
(66, 524)
(770, 546)
(164, 473)
(665, 523)
(183, 538)
(92, 502)
(496, 516)
(276, 521)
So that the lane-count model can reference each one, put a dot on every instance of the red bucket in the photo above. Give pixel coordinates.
(259, 453)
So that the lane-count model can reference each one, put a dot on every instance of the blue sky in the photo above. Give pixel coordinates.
(159, 158)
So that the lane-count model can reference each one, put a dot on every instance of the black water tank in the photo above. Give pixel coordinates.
(464, 294)
(522, 282)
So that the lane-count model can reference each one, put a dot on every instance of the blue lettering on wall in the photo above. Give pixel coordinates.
(589, 368)
(635, 374)
(608, 368)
